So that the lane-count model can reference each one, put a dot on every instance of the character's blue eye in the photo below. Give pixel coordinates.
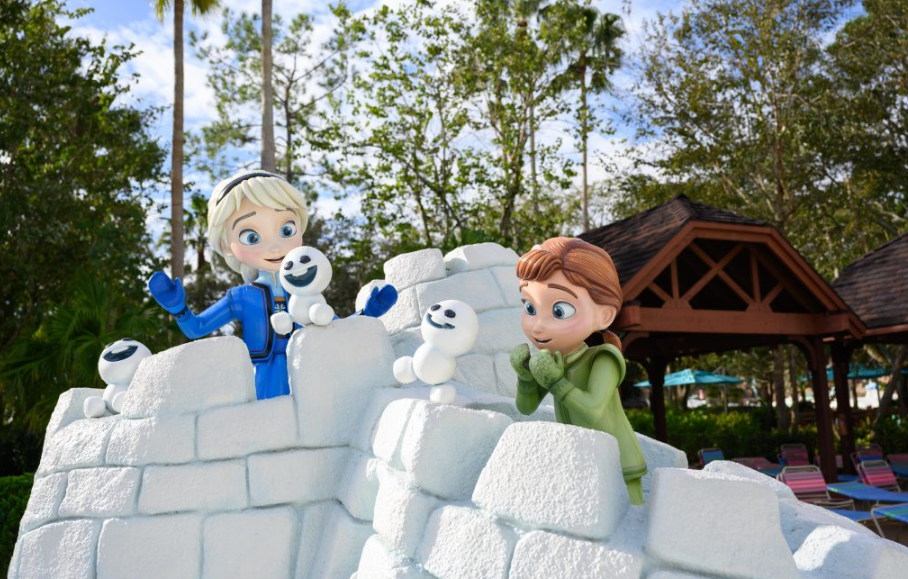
(249, 237)
(288, 229)
(563, 310)
(529, 308)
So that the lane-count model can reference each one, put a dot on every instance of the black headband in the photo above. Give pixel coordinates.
(242, 178)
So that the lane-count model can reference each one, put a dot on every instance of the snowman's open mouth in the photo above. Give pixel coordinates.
(121, 355)
(538, 341)
(434, 324)
(304, 279)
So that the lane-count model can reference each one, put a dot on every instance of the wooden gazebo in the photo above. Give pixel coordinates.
(698, 279)
(875, 286)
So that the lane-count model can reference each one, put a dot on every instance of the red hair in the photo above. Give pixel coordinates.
(583, 264)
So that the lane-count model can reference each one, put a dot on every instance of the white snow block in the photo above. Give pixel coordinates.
(379, 562)
(506, 277)
(150, 548)
(191, 377)
(239, 430)
(256, 543)
(13, 570)
(47, 493)
(403, 314)
(333, 371)
(505, 376)
(555, 477)
(405, 342)
(82, 443)
(657, 454)
(672, 574)
(101, 492)
(476, 371)
(837, 553)
(296, 476)
(445, 447)
(730, 470)
(499, 331)
(799, 519)
(401, 511)
(64, 550)
(476, 288)
(360, 486)
(542, 555)
(311, 529)
(381, 399)
(211, 486)
(462, 543)
(338, 552)
(413, 268)
(68, 410)
(737, 519)
(160, 439)
(389, 432)
(479, 256)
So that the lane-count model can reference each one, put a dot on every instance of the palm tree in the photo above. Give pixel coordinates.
(268, 163)
(592, 48)
(199, 7)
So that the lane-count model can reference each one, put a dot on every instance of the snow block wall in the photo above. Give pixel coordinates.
(354, 477)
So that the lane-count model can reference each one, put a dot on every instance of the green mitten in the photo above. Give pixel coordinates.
(520, 361)
(547, 368)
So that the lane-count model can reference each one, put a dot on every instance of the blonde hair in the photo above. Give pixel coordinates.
(260, 187)
(583, 264)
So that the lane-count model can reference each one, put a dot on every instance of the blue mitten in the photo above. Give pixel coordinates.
(169, 293)
(380, 301)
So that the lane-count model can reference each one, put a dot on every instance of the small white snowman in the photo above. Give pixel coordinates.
(305, 273)
(117, 365)
(449, 329)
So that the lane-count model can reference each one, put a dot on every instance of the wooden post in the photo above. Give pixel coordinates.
(816, 360)
(841, 355)
(655, 371)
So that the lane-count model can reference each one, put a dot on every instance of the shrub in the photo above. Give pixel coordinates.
(14, 493)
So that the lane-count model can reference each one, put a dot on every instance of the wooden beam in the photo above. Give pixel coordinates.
(628, 317)
(654, 287)
(717, 269)
(754, 274)
(714, 269)
(655, 371)
(725, 322)
(675, 287)
(784, 278)
(841, 356)
(816, 360)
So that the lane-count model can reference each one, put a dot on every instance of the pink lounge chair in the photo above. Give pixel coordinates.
(794, 455)
(878, 474)
(808, 485)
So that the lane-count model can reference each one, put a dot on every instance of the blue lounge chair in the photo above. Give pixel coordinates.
(862, 492)
(896, 512)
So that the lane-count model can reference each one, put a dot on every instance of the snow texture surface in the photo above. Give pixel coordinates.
(353, 476)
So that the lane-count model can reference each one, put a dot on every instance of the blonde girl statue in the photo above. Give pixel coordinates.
(570, 292)
(254, 219)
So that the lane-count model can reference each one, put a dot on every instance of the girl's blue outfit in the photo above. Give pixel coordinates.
(252, 304)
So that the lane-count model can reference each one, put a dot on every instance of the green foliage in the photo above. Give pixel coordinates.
(890, 433)
(737, 433)
(14, 493)
(75, 166)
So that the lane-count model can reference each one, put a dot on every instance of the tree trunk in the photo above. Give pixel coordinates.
(795, 390)
(783, 420)
(268, 163)
(533, 155)
(894, 378)
(176, 166)
(583, 139)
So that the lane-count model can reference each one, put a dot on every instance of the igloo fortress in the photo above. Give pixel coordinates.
(354, 476)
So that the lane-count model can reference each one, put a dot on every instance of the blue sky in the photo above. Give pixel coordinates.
(125, 21)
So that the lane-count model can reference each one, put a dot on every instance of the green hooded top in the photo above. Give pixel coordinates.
(588, 397)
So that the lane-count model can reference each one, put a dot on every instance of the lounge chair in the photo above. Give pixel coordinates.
(793, 455)
(899, 464)
(808, 485)
(878, 474)
(896, 512)
(861, 492)
(707, 455)
(760, 464)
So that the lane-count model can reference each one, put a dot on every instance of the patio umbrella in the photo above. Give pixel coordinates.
(688, 376)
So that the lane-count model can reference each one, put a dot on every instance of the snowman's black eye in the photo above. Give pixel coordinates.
(288, 266)
(305, 259)
(434, 308)
(449, 313)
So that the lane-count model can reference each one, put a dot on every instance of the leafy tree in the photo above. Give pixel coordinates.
(76, 166)
(268, 162)
(199, 7)
(591, 49)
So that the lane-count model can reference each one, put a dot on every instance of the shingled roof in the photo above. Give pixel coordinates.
(876, 286)
(633, 241)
